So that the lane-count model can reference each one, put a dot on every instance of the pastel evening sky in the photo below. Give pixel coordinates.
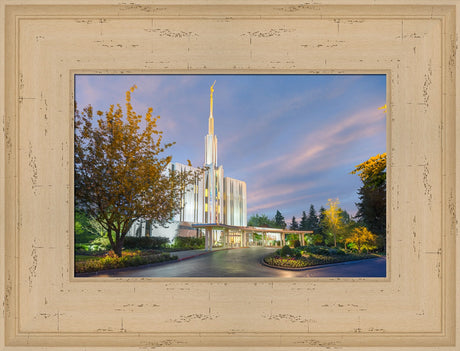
(294, 139)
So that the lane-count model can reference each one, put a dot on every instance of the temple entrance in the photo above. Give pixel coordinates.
(224, 235)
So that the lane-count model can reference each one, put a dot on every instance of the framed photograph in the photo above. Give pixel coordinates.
(248, 159)
(46, 45)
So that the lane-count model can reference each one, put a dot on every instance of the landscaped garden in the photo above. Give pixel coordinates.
(312, 255)
(95, 263)
(96, 255)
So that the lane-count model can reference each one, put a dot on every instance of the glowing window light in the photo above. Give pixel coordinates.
(205, 207)
(206, 192)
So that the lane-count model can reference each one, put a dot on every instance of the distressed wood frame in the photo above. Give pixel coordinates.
(44, 43)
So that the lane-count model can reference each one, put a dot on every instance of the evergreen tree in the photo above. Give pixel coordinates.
(313, 220)
(346, 218)
(322, 230)
(294, 225)
(279, 220)
(348, 227)
(372, 195)
(372, 209)
(304, 222)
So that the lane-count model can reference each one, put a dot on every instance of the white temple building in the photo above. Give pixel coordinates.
(213, 199)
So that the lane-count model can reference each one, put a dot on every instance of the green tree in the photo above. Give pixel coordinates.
(84, 230)
(303, 221)
(87, 228)
(372, 209)
(313, 220)
(120, 173)
(348, 225)
(261, 221)
(372, 195)
(345, 217)
(294, 225)
(279, 220)
(322, 228)
(256, 237)
(317, 239)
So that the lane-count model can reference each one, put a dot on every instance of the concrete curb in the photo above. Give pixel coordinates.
(317, 266)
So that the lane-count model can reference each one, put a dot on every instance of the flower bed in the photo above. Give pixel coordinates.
(311, 259)
(128, 259)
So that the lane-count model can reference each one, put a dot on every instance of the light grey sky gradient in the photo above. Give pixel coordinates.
(294, 139)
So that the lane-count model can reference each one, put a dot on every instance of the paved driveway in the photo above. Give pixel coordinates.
(246, 263)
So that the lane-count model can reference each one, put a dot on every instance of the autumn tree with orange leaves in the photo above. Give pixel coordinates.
(121, 174)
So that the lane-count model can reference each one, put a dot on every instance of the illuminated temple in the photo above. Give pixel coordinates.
(213, 199)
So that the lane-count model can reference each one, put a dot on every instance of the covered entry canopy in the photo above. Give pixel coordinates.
(244, 231)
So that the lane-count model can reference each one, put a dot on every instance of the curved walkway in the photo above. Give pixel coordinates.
(246, 263)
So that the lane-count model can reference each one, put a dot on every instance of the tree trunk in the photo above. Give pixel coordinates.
(118, 247)
(109, 235)
(119, 241)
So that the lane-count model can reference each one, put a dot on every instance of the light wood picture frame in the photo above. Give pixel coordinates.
(44, 43)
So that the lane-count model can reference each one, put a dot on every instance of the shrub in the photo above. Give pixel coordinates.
(319, 250)
(128, 259)
(84, 229)
(145, 242)
(286, 251)
(312, 260)
(296, 243)
(285, 262)
(336, 251)
(352, 247)
(81, 247)
(188, 243)
(317, 239)
(101, 243)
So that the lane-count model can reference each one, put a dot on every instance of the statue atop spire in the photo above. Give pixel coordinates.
(211, 119)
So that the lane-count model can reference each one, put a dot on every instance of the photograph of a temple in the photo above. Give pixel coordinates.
(213, 199)
(144, 210)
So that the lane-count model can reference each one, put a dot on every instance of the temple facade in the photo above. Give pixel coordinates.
(212, 199)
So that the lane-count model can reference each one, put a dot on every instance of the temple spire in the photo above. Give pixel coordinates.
(211, 118)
